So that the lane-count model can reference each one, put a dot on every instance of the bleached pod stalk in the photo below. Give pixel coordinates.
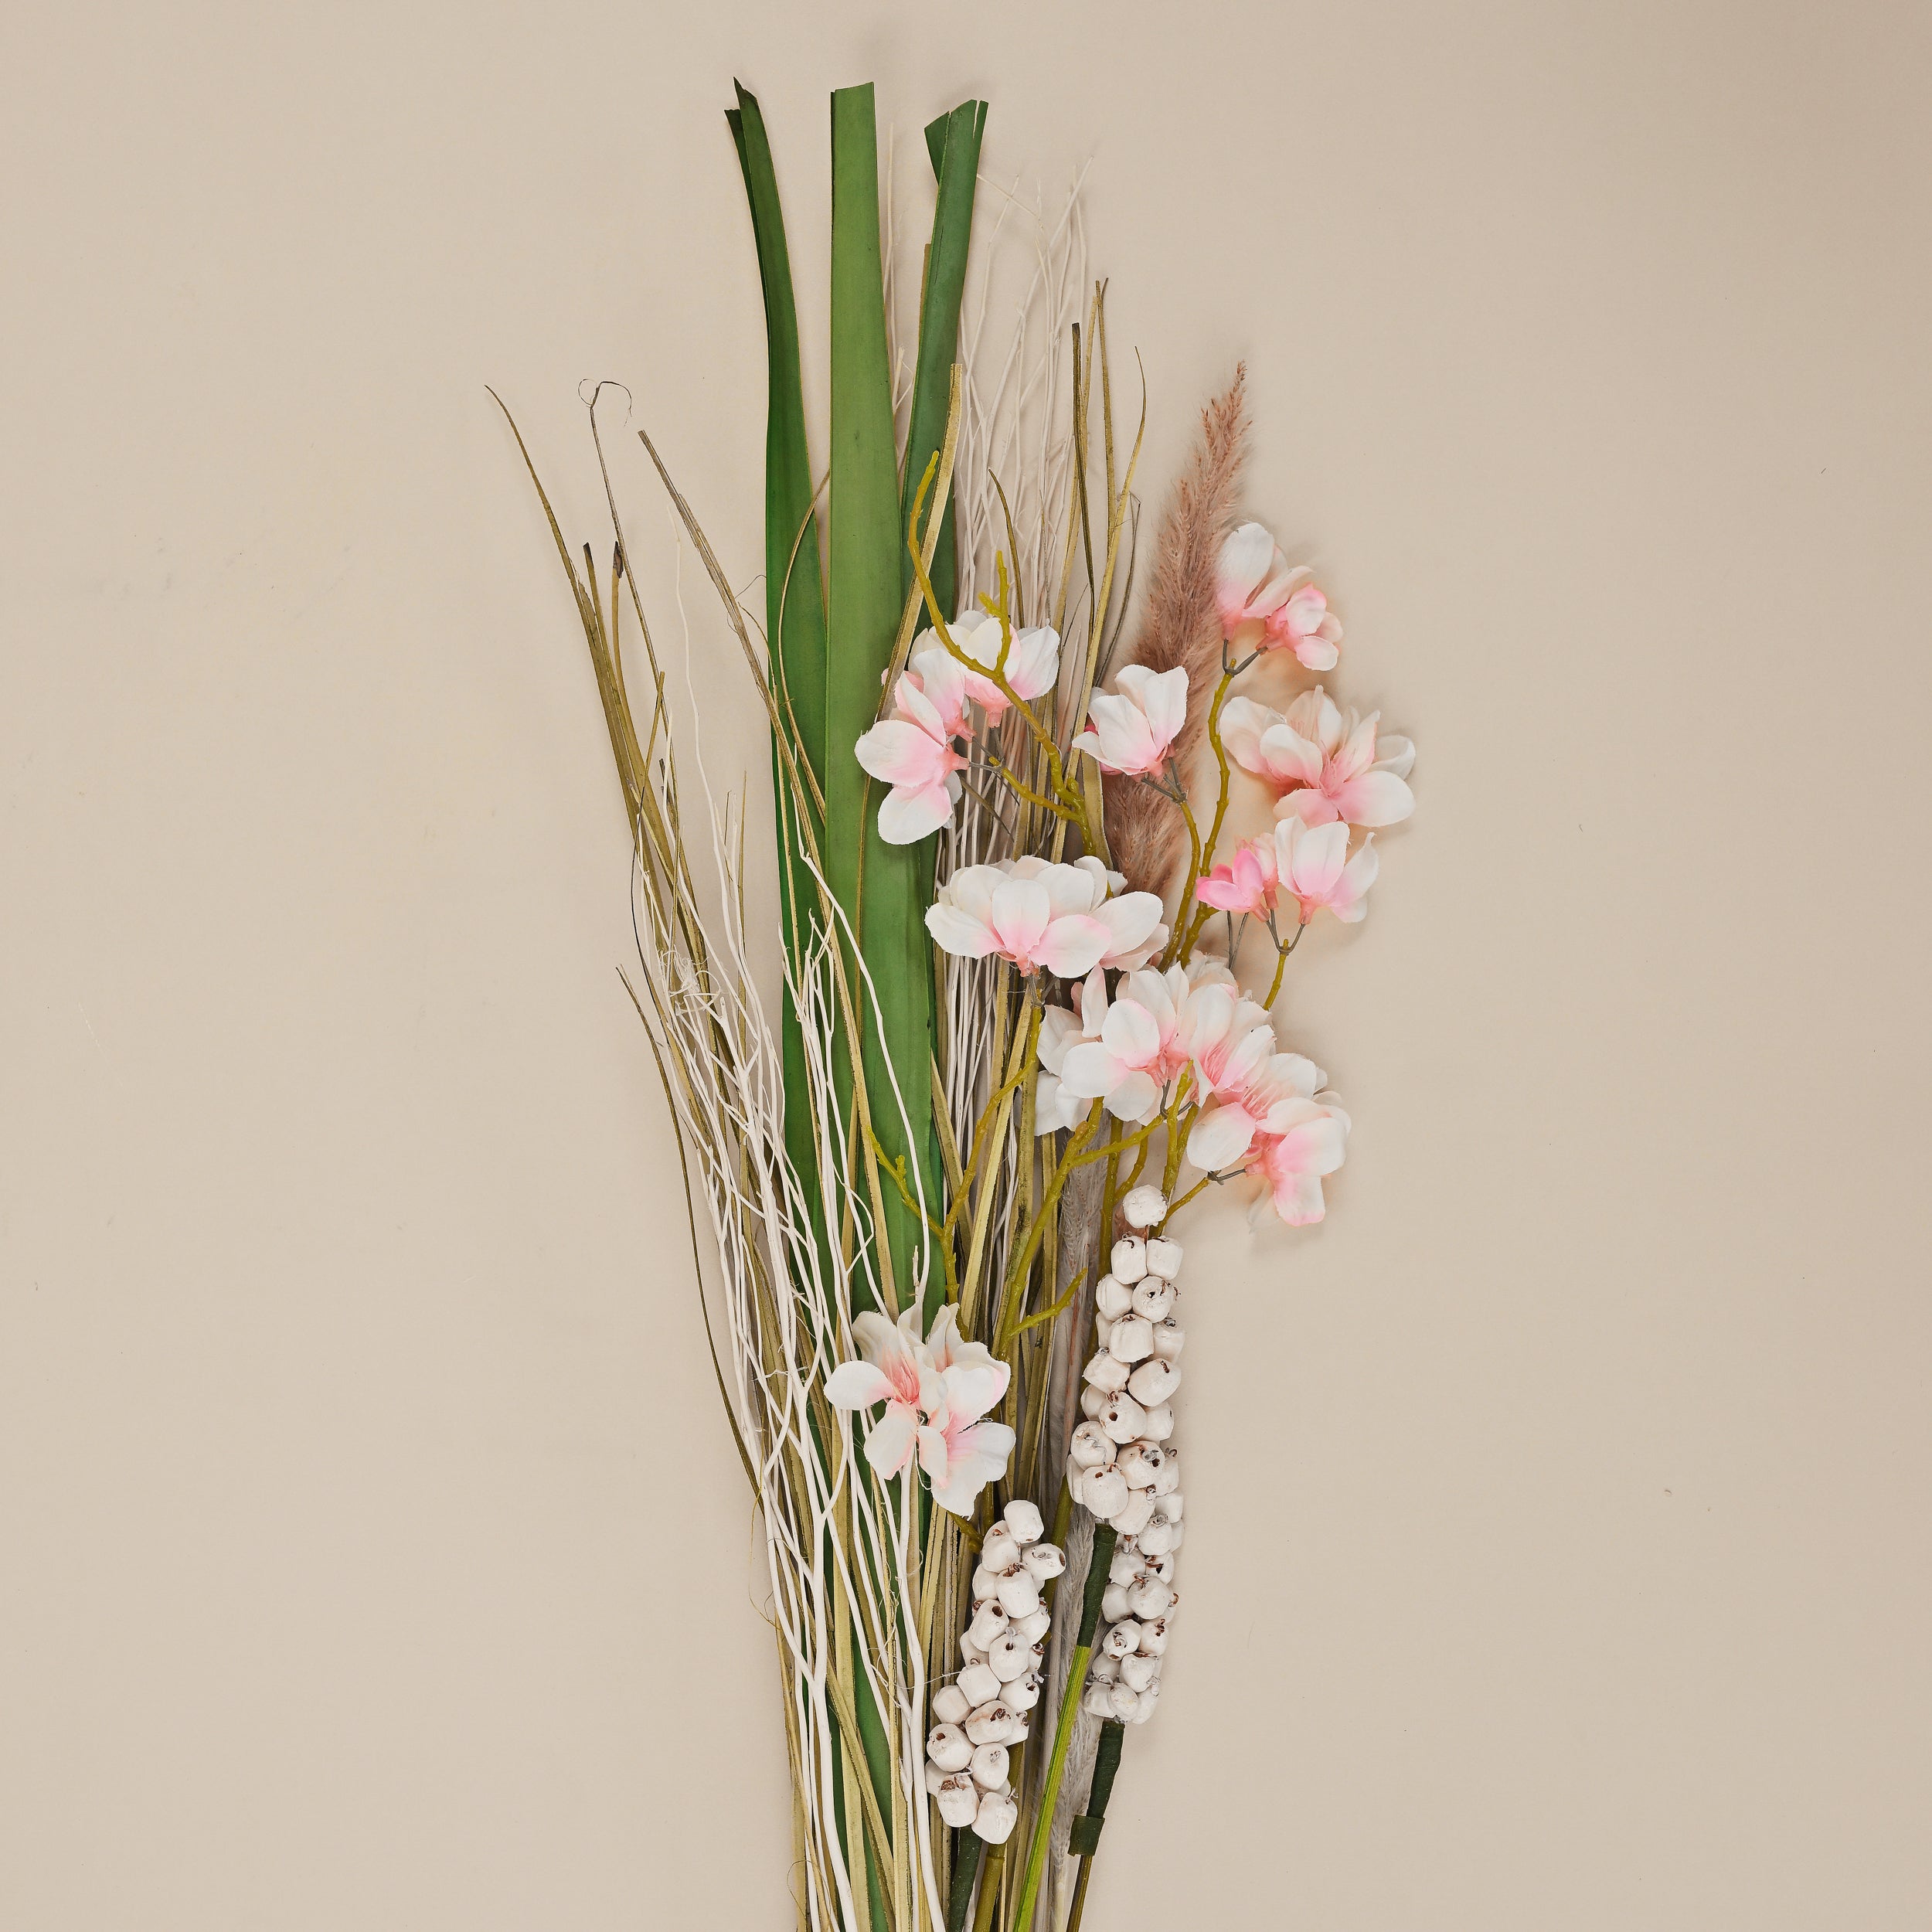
(1123, 1467)
(984, 1712)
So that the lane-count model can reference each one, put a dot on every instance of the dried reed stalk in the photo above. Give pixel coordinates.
(1180, 628)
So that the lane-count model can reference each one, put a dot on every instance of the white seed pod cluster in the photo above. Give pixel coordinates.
(982, 1713)
(1123, 1465)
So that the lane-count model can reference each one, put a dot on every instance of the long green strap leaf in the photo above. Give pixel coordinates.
(795, 602)
(953, 141)
(867, 541)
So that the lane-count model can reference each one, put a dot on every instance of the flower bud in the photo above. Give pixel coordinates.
(1126, 1565)
(1098, 1699)
(989, 1623)
(1154, 1297)
(1148, 1597)
(949, 1704)
(1144, 1705)
(1131, 1338)
(969, 1651)
(1104, 1491)
(935, 1778)
(1093, 1400)
(990, 1723)
(1162, 1566)
(1169, 1340)
(1107, 1371)
(959, 1799)
(989, 1766)
(1168, 1508)
(1145, 1207)
(947, 1746)
(1154, 1382)
(997, 1815)
(1153, 1641)
(1023, 1519)
(1138, 1672)
(1001, 1549)
(1034, 1626)
(1019, 1592)
(1103, 1331)
(1023, 1692)
(1046, 1560)
(1121, 1419)
(1091, 1447)
(1112, 1297)
(1157, 1538)
(1125, 1702)
(1010, 1655)
(1168, 1479)
(1160, 1422)
(1135, 1513)
(1122, 1639)
(1103, 1668)
(1164, 1259)
(1130, 1259)
(985, 1584)
(1141, 1463)
(978, 1684)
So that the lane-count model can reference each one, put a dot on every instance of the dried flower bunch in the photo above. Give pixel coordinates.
(1022, 1026)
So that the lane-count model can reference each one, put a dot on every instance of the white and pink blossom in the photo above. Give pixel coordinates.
(1033, 665)
(1138, 1049)
(936, 1390)
(1292, 1163)
(1265, 605)
(1248, 884)
(1258, 1091)
(1313, 866)
(1325, 762)
(911, 751)
(896, 1369)
(1035, 913)
(1135, 727)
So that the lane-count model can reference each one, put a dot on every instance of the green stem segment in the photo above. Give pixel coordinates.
(1098, 1565)
(1084, 1838)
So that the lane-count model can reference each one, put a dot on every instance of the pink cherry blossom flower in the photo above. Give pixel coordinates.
(960, 1455)
(1248, 885)
(912, 752)
(1134, 731)
(1226, 1035)
(1133, 918)
(935, 1391)
(898, 1370)
(1265, 606)
(1060, 1030)
(1313, 1141)
(1033, 660)
(1323, 760)
(1040, 917)
(1138, 1049)
(1260, 1092)
(974, 1378)
(1313, 865)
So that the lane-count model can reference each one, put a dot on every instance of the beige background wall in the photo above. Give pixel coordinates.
(374, 1556)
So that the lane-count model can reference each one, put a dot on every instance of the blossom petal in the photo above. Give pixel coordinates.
(857, 1385)
(906, 816)
(1377, 797)
(889, 1445)
(1219, 1137)
(1072, 946)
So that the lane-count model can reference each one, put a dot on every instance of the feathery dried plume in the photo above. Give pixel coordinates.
(1144, 830)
